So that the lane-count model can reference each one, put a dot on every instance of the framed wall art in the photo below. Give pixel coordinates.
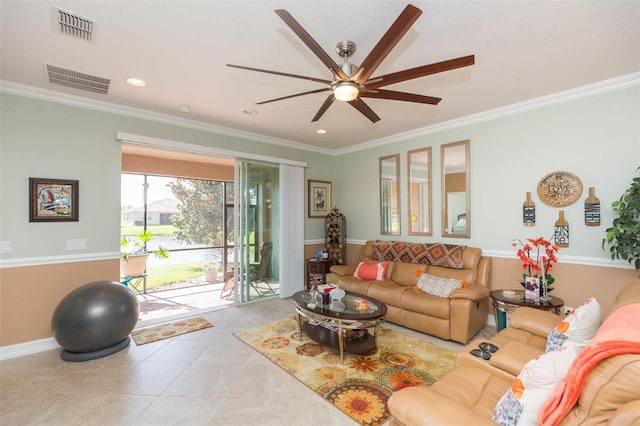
(559, 189)
(319, 198)
(53, 200)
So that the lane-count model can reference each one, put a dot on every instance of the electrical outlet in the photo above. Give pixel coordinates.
(5, 246)
(568, 309)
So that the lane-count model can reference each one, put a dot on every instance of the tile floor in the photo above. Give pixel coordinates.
(203, 378)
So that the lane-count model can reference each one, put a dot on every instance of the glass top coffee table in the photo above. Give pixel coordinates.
(344, 325)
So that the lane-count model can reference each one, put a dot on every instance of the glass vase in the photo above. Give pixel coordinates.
(544, 290)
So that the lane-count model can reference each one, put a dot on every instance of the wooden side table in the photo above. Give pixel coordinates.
(504, 304)
(317, 270)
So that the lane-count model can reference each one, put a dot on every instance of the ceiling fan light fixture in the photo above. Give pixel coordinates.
(345, 91)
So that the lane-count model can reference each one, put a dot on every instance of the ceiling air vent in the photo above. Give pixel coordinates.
(77, 80)
(72, 24)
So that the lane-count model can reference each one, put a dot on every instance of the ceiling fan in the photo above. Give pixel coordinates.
(351, 84)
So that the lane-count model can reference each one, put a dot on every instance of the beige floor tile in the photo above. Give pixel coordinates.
(208, 377)
(181, 411)
(149, 378)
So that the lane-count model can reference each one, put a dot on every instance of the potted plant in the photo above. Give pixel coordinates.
(623, 238)
(211, 270)
(133, 261)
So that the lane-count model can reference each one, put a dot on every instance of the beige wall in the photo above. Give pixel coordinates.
(132, 163)
(30, 294)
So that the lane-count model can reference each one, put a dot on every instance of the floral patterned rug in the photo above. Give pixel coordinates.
(164, 331)
(360, 386)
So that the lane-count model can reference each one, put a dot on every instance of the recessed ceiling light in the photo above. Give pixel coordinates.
(321, 131)
(136, 82)
(249, 111)
(185, 108)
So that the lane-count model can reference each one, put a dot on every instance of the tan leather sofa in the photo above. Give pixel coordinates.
(457, 317)
(468, 394)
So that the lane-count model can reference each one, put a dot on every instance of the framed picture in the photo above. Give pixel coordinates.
(53, 200)
(319, 198)
(318, 254)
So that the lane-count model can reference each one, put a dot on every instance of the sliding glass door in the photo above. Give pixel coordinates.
(257, 272)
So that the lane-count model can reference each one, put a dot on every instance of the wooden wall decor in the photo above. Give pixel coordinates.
(336, 236)
(592, 209)
(528, 211)
(559, 189)
(561, 231)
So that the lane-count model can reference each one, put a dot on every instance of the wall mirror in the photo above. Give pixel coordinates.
(419, 191)
(456, 189)
(390, 195)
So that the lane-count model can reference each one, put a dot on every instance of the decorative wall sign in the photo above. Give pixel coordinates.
(561, 231)
(528, 211)
(53, 200)
(592, 209)
(319, 198)
(559, 189)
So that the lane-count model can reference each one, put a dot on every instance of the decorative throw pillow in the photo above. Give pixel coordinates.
(536, 382)
(371, 271)
(438, 286)
(578, 327)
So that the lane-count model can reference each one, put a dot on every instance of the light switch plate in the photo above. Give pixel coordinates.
(77, 244)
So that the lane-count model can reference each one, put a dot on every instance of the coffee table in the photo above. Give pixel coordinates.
(344, 326)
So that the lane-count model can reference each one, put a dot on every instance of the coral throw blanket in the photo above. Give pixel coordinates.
(617, 335)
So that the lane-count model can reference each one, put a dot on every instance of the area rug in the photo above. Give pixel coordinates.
(164, 331)
(362, 384)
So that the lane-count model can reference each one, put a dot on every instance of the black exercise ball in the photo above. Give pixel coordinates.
(95, 320)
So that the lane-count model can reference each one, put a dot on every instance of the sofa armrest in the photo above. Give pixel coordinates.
(512, 356)
(534, 321)
(419, 405)
(473, 292)
(343, 270)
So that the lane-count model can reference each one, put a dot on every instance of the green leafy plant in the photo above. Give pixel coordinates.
(138, 246)
(623, 238)
(211, 265)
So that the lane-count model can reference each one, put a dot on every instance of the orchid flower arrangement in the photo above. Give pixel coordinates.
(538, 257)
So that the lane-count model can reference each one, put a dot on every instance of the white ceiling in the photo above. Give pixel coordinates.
(523, 50)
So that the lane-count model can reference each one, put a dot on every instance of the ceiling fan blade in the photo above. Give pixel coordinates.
(304, 77)
(294, 96)
(424, 70)
(359, 104)
(324, 107)
(311, 43)
(388, 41)
(400, 96)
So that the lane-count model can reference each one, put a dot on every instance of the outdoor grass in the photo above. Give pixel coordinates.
(159, 275)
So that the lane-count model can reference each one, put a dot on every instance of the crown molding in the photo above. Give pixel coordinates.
(111, 108)
(605, 86)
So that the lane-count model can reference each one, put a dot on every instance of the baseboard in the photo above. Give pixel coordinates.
(28, 348)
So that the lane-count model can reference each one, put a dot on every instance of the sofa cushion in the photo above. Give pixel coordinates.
(419, 301)
(371, 271)
(387, 292)
(578, 327)
(521, 404)
(439, 286)
(353, 284)
(407, 273)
